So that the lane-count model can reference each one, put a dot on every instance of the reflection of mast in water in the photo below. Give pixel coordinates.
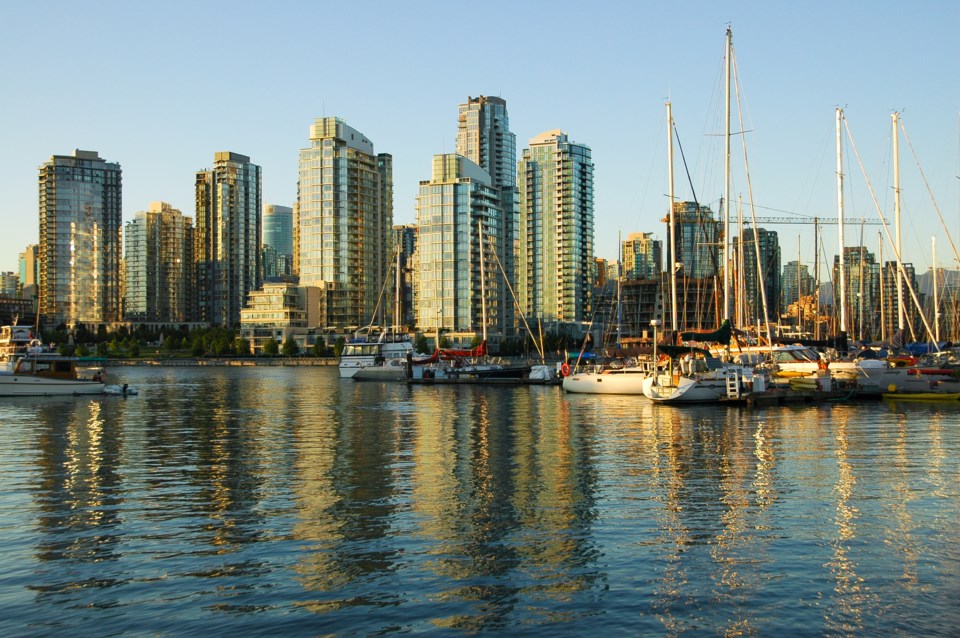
(851, 592)
(903, 538)
(668, 484)
(745, 501)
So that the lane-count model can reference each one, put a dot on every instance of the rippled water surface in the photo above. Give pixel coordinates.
(284, 501)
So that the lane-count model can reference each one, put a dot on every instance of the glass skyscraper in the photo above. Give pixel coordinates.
(342, 222)
(158, 266)
(227, 237)
(80, 225)
(277, 240)
(484, 137)
(642, 256)
(452, 207)
(556, 229)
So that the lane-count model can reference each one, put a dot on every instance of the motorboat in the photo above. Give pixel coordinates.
(362, 353)
(50, 374)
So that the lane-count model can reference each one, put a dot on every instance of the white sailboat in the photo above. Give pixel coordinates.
(696, 376)
(383, 359)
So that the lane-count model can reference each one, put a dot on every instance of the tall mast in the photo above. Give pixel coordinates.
(895, 117)
(726, 190)
(936, 295)
(843, 275)
(483, 289)
(816, 277)
(883, 301)
(799, 292)
(741, 281)
(396, 298)
(673, 228)
(619, 285)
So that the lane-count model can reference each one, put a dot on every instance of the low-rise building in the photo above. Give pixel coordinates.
(279, 311)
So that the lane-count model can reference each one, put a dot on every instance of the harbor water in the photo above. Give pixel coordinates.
(285, 501)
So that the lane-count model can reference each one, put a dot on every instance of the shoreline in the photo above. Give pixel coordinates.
(225, 361)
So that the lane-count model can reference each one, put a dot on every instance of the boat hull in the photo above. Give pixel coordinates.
(381, 373)
(686, 390)
(16, 385)
(608, 382)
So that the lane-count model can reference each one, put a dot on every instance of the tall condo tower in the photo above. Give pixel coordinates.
(454, 208)
(342, 222)
(277, 240)
(484, 137)
(79, 255)
(556, 229)
(158, 266)
(227, 237)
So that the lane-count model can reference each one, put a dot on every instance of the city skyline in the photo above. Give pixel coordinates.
(797, 63)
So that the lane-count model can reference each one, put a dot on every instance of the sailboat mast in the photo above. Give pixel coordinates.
(396, 295)
(883, 311)
(816, 277)
(619, 288)
(673, 228)
(936, 294)
(799, 292)
(895, 117)
(726, 189)
(843, 275)
(483, 289)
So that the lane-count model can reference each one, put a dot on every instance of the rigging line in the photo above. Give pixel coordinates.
(886, 230)
(700, 229)
(932, 198)
(753, 210)
(517, 304)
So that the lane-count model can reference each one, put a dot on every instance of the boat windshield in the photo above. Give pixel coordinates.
(796, 354)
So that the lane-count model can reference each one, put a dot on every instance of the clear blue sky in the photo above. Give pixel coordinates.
(159, 87)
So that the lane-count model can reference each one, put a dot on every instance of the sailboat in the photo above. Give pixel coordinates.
(384, 359)
(692, 374)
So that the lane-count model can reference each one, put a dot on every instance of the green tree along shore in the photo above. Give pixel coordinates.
(171, 342)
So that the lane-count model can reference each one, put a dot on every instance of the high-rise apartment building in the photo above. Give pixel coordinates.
(9, 284)
(457, 208)
(342, 222)
(862, 276)
(406, 238)
(913, 328)
(555, 229)
(484, 137)
(767, 244)
(697, 241)
(80, 225)
(277, 241)
(642, 256)
(158, 266)
(227, 237)
(29, 271)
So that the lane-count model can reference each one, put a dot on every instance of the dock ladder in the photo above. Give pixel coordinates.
(733, 383)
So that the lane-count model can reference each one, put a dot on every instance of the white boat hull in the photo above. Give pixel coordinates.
(394, 370)
(17, 385)
(686, 390)
(607, 382)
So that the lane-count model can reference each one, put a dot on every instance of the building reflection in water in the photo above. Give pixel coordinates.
(78, 499)
(469, 509)
(503, 497)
